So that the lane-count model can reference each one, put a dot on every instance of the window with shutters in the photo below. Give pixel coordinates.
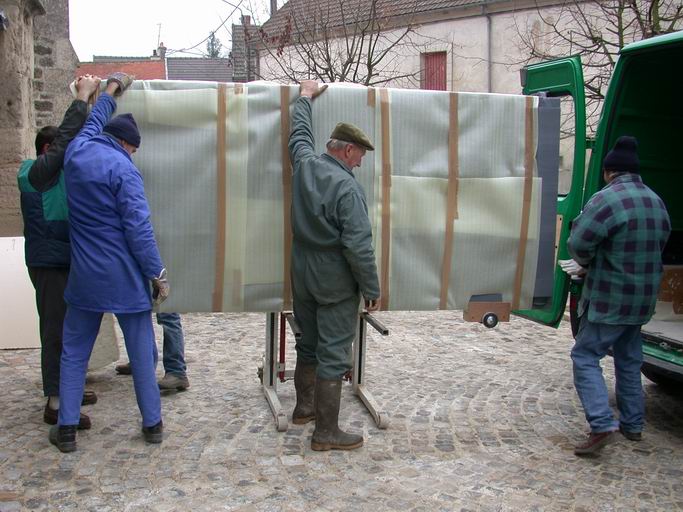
(433, 71)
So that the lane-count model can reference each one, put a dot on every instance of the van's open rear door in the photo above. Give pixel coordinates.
(562, 78)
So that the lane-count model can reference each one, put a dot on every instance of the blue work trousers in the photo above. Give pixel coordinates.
(80, 331)
(174, 343)
(592, 344)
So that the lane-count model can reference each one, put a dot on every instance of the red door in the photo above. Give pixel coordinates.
(434, 71)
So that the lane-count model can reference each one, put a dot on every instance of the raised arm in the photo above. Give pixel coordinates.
(45, 170)
(104, 107)
(301, 141)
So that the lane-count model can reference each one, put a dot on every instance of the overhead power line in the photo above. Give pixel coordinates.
(187, 50)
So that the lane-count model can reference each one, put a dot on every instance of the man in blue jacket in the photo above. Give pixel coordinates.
(114, 257)
(46, 234)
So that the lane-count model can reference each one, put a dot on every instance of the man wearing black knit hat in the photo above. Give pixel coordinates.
(124, 129)
(618, 241)
(114, 258)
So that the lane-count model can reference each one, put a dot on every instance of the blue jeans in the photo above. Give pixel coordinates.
(592, 343)
(80, 330)
(174, 343)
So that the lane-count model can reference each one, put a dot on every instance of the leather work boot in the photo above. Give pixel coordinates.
(51, 416)
(174, 381)
(596, 441)
(327, 434)
(154, 434)
(304, 382)
(63, 437)
(631, 435)
(89, 398)
(123, 369)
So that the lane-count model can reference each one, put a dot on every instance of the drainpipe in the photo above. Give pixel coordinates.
(452, 66)
(489, 51)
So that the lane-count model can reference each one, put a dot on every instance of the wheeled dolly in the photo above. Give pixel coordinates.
(274, 367)
(486, 310)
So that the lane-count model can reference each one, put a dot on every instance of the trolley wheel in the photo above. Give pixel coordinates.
(382, 420)
(490, 320)
(281, 423)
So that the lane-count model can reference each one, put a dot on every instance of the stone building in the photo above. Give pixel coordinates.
(16, 98)
(244, 54)
(55, 62)
(37, 62)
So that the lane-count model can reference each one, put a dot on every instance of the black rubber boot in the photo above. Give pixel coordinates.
(64, 437)
(327, 434)
(304, 382)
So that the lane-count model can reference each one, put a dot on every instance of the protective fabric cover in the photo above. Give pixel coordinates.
(452, 188)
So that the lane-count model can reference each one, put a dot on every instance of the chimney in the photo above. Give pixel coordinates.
(246, 20)
(273, 7)
(162, 51)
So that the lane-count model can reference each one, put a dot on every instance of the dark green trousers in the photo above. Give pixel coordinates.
(49, 284)
(326, 301)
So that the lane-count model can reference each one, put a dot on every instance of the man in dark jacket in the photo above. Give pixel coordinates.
(114, 257)
(619, 238)
(46, 234)
(333, 262)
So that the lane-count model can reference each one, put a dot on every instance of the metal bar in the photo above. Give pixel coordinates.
(283, 339)
(270, 349)
(381, 418)
(293, 324)
(376, 324)
(270, 373)
(359, 354)
(276, 408)
(359, 348)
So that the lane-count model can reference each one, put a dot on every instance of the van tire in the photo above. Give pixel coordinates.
(662, 378)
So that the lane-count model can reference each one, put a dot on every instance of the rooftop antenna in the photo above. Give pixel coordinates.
(158, 34)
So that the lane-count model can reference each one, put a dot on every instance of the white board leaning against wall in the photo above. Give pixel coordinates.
(18, 315)
(19, 327)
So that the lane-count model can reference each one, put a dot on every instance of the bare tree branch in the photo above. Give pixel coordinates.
(596, 30)
(339, 41)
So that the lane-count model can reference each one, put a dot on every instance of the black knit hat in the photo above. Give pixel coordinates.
(624, 156)
(124, 127)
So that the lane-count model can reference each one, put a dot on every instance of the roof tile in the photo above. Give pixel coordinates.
(192, 68)
(142, 70)
(302, 13)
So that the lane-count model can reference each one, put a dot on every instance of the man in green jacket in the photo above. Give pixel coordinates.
(47, 241)
(333, 262)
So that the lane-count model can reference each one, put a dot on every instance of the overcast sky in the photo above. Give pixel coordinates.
(131, 27)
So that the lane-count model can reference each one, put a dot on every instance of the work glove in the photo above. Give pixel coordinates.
(122, 79)
(160, 288)
(572, 268)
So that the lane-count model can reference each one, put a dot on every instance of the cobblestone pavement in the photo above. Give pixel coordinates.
(480, 420)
